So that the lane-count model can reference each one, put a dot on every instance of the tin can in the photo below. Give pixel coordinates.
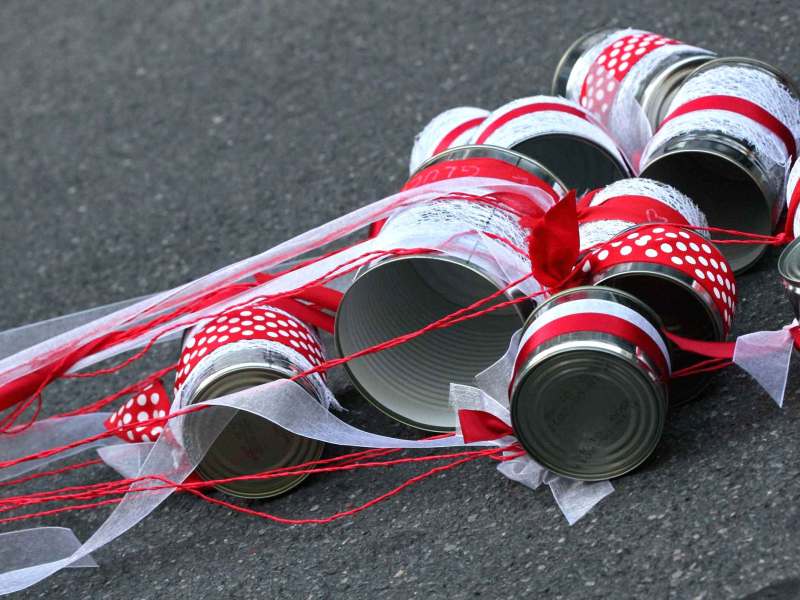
(607, 212)
(398, 295)
(451, 128)
(789, 270)
(631, 63)
(589, 389)
(559, 134)
(243, 348)
(728, 142)
(683, 278)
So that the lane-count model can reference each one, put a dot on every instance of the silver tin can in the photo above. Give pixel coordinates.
(727, 161)
(683, 278)
(454, 127)
(398, 295)
(559, 134)
(246, 347)
(589, 389)
(631, 63)
(666, 205)
(789, 270)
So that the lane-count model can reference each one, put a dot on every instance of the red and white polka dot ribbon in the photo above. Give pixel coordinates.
(265, 323)
(677, 248)
(152, 402)
(613, 65)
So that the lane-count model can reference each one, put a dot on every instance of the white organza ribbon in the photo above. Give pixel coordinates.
(766, 355)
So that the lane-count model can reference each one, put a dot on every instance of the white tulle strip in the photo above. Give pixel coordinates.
(791, 186)
(766, 355)
(427, 140)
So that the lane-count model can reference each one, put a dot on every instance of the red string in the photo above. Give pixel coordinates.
(50, 473)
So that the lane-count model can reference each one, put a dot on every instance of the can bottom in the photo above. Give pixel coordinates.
(248, 444)
(588, 414)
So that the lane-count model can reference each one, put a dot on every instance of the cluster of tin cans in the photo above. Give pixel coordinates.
(664, 142)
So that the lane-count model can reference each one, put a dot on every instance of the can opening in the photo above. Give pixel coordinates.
(588, 413)
(727, 194)
(579, 163)
(411, 382)
(683, 312)
(789, 270)
(248, 444)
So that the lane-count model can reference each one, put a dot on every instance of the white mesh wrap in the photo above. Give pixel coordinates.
(791, 186)
(426, 141)
(455, 217)
(545, 122)
(742, 82)
(602, 231)
(599, 232)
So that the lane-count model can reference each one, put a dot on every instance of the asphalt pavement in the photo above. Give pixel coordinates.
(143, 144)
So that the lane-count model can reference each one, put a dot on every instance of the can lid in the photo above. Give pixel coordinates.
(248, 444)
(511, 157)
(789, 263)
(587, 413)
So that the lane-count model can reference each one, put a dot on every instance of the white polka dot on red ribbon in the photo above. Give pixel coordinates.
(613, 64)
(248, 323)
(151, 402)
(680, 249)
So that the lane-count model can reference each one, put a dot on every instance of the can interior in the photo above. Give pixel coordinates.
(581, 164)
(411, 382)
(587, 413)
(682, 312)
(725, 192)
(248, 444)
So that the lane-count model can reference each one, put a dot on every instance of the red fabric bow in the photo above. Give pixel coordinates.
(480, 426)
(554, 243)
(151, 402)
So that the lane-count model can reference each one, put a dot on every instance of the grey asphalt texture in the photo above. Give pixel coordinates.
(143, 144)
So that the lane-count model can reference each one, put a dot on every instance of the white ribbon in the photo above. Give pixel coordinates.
(766, 355)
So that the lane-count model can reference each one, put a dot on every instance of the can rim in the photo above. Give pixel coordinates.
(337, 337)
(313, 448)
(516, 159)
(656, 113)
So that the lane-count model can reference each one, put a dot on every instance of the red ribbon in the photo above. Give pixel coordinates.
(527, 110)
(457, 131)
(633, 208)
(554, 243)
(481, 426)
(794, 200)
(703, 348)
(599, 323)
(742, 107)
